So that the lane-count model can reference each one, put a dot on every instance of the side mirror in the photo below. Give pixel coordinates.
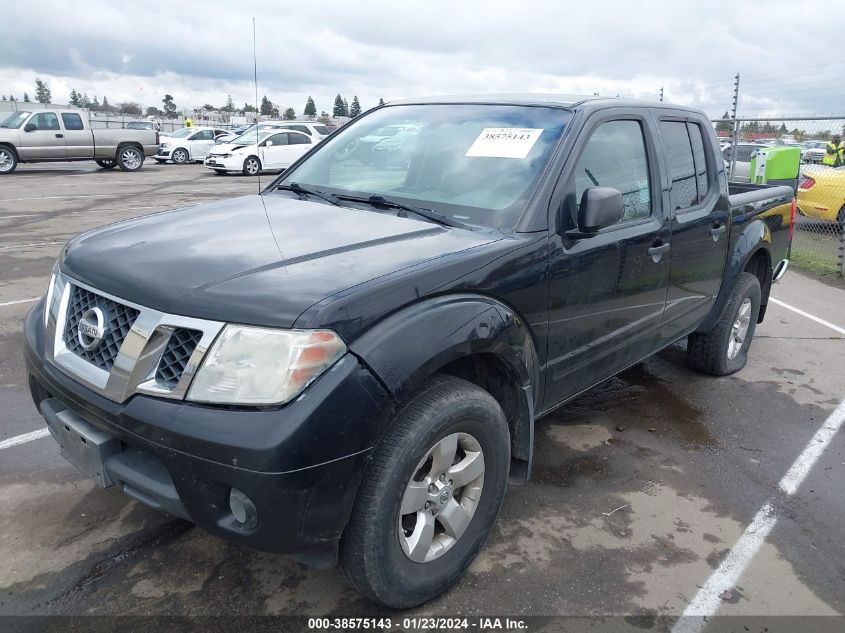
(30, 127)
(600, 207)
(268, 143)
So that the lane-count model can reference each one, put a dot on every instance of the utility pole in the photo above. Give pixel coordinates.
(735, 135)
(661, 93)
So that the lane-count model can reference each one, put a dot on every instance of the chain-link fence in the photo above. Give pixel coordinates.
(818, 244)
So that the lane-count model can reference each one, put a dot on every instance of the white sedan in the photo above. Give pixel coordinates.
(187, 144)
(252, 153)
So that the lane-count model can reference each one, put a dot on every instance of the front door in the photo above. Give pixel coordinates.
(42, 138)
(607, 292)
(700, 231)
(201, 142)
(275, 151)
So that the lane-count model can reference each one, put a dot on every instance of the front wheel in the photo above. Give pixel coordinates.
(430, 495)
(107, 163)
(724, 349)
(252, 166)
(179, 156)
(130, 158)
(8, 160)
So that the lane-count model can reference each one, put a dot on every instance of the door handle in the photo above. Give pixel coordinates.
(657, 250)
(717, 231)
(60, 135)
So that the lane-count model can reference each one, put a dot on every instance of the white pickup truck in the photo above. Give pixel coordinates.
(62, 135)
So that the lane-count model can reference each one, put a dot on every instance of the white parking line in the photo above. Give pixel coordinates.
(23, 439)
(833, 327)
(14, 303)
(707, 600)
(80, 195)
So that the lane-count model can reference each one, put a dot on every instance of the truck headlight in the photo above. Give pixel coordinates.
(253, 365)
(54, 295)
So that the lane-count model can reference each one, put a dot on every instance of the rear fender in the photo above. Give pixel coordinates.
(754, 237)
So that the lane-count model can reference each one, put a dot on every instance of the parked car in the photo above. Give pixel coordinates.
(744, 153)
(813, 151)
(66, 135)
(254, 152)
(821, 193)
(348, 367)
(187, 144)
(317, 131)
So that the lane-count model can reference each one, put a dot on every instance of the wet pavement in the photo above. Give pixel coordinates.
(640, 488)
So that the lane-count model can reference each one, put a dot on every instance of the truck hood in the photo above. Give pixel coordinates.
(261, 260)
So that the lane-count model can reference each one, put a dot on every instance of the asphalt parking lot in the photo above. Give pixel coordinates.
(641, 487)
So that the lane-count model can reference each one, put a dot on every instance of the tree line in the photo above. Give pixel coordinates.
(169, 110)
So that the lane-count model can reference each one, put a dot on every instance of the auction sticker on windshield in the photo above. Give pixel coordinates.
(504, 142)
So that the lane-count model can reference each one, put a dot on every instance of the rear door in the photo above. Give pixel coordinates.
(700, 214)
(42, 137)
(607, 292)
(79, 142)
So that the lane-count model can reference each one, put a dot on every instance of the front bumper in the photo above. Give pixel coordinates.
(299, 464)
(162, 154)
(229, 164)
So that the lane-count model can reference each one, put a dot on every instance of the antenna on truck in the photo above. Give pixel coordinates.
(255, 81)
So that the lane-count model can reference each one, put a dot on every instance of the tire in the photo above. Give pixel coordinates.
(724, 350)
(252, 166)
(130, 158)
(8, 160)
(375, 557)
(107, 163)
(179, 156)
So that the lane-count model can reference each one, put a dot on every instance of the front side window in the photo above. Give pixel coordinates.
(72, 121)
(476, 163)
(204, 135)
(298, 139)
(615, 156)
(680, 164)
(277, 139)
(45, 121)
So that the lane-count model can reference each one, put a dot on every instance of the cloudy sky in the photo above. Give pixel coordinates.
(201, 51)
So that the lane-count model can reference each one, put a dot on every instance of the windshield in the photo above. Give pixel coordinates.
(14, 120)
(182, 133)
(250, 137)
(474, 163)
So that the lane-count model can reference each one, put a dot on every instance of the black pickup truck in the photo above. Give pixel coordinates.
(347, 368)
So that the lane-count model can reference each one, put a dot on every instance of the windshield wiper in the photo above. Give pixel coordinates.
(307, 191)
(404, 209)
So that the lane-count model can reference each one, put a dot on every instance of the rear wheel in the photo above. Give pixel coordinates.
(8, 160)
(430, 495)
(724, 349)
(107, 163)
(252, 166)
(130, 158)
(179, 156)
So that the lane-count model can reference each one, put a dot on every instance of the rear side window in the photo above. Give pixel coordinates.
(299, 128)
(615, 156)
(322, 129)
(680, 163)
(700, 158)
(72, 121)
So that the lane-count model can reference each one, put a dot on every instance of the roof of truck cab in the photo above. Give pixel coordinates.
(568, 101)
